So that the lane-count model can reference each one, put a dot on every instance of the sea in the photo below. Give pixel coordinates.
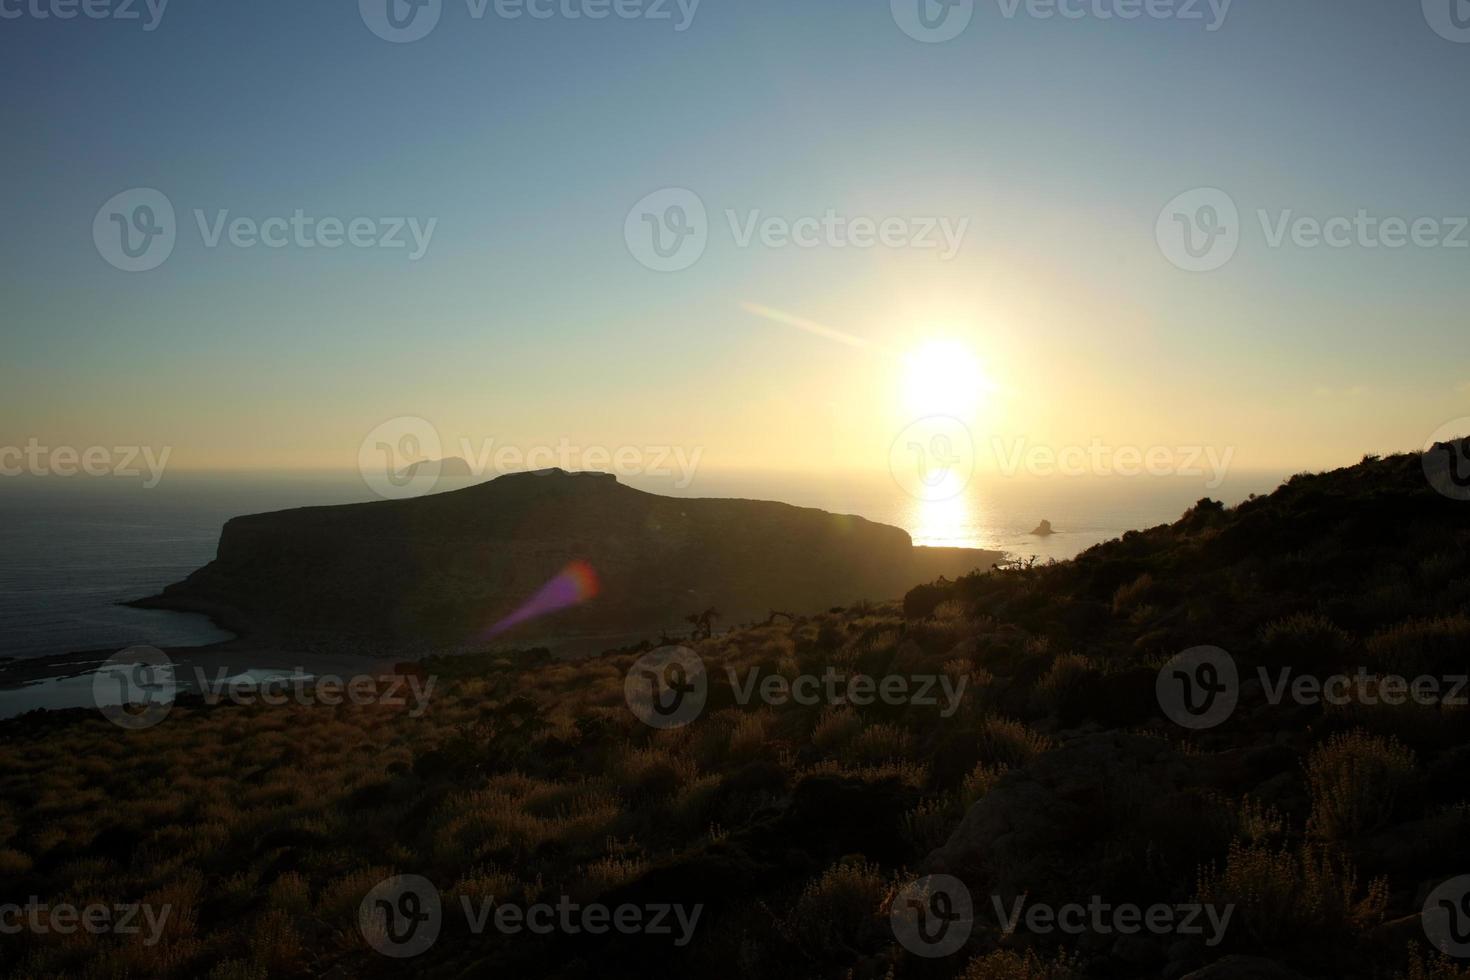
(72, 549)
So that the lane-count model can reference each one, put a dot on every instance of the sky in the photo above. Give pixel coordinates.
(1059, 152)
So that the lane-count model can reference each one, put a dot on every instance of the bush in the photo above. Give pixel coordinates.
(878, 744)
(835, 727)
(1006, 742)
(1281, 894)
(1357, 782)
(1303, 639)
(1421, 646)
(842, 910)
(1006, 965)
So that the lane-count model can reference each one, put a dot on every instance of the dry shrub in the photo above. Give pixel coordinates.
(1068, 674)
(1004, 964)
(980, 781)
(842, 910)
(749, 740)
(1281, 894)
(1357, 782)
(1007, 742)
(878, 744)
(928, 825)
(1305, 638)
(1131, 594)
(1421, 646)
(909, 773)
(834, 728)
(1435, 966)
(609, 872)
(483, 885)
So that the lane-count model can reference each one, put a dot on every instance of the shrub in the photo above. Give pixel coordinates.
(1305, 638)
(1067, 686)
(979, 782)
(1357, 782)
(879, 743)
(1421, 646)
(842, 910)
(1436, 966)
(1006, 965)
(1006, 742)
(1132, 594)
(1280, 894)
(928, 825)
(835, 727)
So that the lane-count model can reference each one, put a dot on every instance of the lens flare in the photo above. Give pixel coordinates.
(572, 586)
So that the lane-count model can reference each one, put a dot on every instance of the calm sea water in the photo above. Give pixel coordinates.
(72, 549)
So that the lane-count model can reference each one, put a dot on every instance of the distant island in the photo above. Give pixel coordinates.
(1044, 529)
(434, 573)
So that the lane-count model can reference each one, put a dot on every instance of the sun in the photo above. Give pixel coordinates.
(944, 377)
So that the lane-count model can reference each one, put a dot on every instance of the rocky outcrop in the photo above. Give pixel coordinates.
(435, 572)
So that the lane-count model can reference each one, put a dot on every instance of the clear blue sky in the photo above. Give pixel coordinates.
(528, 319)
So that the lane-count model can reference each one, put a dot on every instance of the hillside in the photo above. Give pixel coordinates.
(1057, 775)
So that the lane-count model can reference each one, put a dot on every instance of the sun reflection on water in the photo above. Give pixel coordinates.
(952, 523)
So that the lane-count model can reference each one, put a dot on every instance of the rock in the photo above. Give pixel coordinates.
(1040, 825)
(1043, 529)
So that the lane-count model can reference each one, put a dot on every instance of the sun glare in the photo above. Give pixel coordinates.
(943, 377)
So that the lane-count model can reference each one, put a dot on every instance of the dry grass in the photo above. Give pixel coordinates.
(1357, 782)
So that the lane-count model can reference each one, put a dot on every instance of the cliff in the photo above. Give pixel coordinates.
(437, 571)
